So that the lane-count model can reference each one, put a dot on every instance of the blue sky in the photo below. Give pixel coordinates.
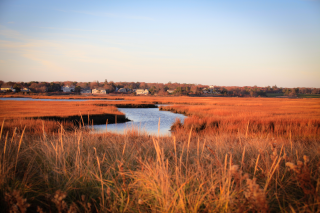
(226, 43)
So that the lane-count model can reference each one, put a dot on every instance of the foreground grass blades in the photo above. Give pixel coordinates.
(83, 172)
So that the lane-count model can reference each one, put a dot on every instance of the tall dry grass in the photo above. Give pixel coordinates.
(83, 172)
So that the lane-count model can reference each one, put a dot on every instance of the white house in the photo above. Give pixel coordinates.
(68, 88)
(99, 91)
(142, 91)
(5, 88)
(170, 91)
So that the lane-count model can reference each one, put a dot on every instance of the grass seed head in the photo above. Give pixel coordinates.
(292, 166)
(16, 202)
(234, 169)
(306, 160)
(255, 195)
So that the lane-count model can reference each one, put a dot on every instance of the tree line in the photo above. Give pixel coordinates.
(162, 88)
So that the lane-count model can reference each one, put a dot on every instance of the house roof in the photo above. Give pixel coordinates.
(71, 86)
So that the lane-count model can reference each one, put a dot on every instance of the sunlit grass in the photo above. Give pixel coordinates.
(135, 172)
(292, 118)
(30, 109)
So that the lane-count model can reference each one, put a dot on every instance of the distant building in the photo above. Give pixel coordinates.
(142, 91)
(85, 91)
(99, 91)
(68, 88)
(6, 87)
(170, 91)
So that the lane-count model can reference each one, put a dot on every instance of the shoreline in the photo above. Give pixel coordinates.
(87, 120)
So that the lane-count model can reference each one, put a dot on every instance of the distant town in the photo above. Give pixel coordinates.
(157, 89)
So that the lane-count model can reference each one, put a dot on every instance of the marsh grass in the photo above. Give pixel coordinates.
(32, 109)
(134, 172)
(295, 119)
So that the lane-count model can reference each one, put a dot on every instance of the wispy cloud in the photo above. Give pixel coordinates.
(85, 30)
(111, 15)
(70, 29)
(48, 64)
(6, 32)
(48, 53)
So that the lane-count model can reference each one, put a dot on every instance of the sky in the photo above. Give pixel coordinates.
(224, 43)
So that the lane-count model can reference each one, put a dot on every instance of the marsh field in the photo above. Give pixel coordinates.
(229, 155)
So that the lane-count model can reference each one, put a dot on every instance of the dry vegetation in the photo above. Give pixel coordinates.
(238, 165)
(297, 119)
(31, 109)
(82, 172)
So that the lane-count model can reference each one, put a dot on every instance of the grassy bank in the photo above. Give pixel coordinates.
(82, 172)
(297, 119)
